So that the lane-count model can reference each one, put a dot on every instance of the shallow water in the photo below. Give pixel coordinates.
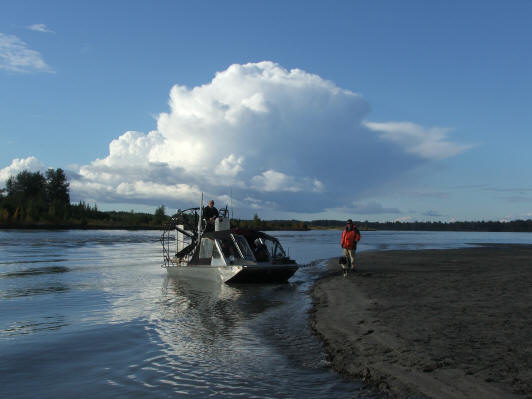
(92, 313)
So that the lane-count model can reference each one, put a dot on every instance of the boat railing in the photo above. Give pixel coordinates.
(179, 237)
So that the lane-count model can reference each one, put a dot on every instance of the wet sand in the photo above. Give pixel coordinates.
(433, 323)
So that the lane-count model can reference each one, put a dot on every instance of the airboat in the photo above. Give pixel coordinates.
(195, 248)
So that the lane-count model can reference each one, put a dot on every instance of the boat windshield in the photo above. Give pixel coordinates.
(274, 248)
(243, 245)
(228, 248)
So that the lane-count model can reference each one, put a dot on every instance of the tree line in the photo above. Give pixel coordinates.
(488, 226)
(33, 199)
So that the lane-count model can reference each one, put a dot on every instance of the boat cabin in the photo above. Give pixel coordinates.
(226, 248)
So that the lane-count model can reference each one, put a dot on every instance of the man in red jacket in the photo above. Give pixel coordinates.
(350, 237)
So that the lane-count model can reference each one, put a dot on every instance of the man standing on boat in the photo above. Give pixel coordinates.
(350, 237)
(210, 213)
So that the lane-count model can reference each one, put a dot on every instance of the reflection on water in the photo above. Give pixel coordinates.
(198, 310)
(239, 340)
(93, 312)
(209, 311)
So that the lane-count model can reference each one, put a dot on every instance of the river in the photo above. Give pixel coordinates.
(92, 313)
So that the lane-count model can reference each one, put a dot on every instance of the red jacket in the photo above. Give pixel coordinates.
(350, 238)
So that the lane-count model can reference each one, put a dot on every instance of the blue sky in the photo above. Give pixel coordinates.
(385, 110)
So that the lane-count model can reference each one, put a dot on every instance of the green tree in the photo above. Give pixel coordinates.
(26, 185)
(57, 186)
(27, 193)
(57, 194)
(159, 215)
(256, 223)
(4, 209)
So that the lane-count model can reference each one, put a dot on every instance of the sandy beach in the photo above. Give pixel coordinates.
(432, 323)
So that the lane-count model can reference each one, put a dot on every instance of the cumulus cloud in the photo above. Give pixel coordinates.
(229, 166)
(40, 28)
(277, 139)
(273, 181)
(18, 165)
(258, 129)
(16, 56)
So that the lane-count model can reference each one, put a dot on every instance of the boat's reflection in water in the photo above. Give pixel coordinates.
(251, 340)
(209, 337)
(216, 309)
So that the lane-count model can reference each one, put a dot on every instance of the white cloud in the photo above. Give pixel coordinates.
(229, 166)
(31, 164)
(149, 190)
(429, 143)
(272, 181)
(285, 140)
(40, 28)
(256, 128)
(16, 56)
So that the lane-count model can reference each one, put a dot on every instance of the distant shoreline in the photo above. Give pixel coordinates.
(438, 323)
(129, 227)
(75, 227)
(101, 227)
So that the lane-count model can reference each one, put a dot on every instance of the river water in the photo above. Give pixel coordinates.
(92, 313)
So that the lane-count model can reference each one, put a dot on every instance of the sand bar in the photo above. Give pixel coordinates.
(432, 323)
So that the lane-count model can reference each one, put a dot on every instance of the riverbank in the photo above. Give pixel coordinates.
(434, 323)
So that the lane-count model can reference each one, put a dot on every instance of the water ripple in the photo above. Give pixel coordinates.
(31, 291)
(36, 271)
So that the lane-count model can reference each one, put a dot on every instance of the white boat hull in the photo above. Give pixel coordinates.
(205, 272)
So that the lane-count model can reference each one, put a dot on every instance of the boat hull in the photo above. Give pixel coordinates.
(264, 274)
(235, 274)
(211, 273)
